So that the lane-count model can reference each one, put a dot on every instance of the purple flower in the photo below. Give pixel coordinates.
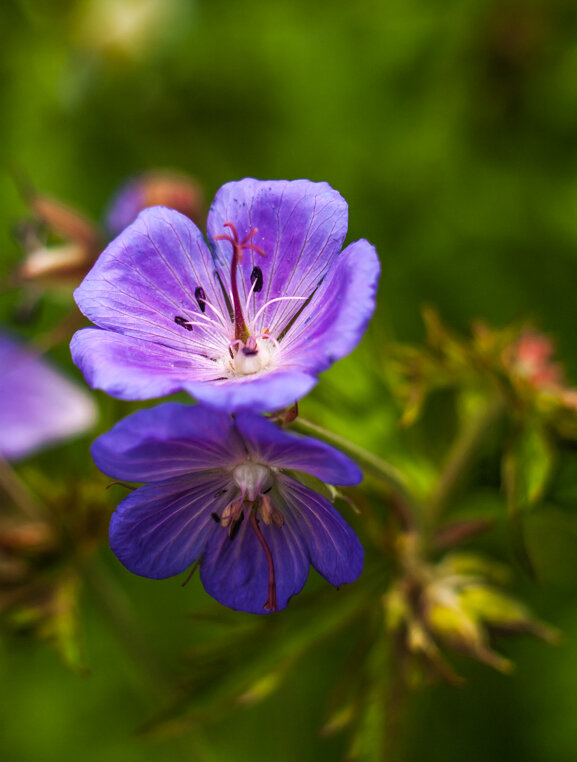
(151, 189)
(38, 406)
(247, 328)
(219, 491)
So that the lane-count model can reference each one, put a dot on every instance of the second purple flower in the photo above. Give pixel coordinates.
(221, 490)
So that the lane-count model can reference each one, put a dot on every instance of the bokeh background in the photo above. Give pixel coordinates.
(451, 129)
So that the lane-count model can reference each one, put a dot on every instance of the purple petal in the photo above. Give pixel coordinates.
(282, 449)
(168, 441)
(269, 391)
(235, 572)
(153, 188)
(301, 227)
(126, 205)
(38, 405)
(129, 368)
(332, 324)
(161, 529)
(133, 369)
(148, 276)
(333, 547)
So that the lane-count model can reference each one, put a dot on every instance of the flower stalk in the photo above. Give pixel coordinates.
(461, 457)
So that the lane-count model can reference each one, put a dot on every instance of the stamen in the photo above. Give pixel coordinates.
(266, 335)
(250, 293)
(221, 327)
(215, 517)
(200, 297)
(236, 345)
(251, 347)
(271, 602)
(235, 526)
(214, 333)
(225, 323)
(182, 321)
(256, 278)
(276, 299)
(270, 514)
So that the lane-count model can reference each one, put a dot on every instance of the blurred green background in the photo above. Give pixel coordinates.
(451, 130)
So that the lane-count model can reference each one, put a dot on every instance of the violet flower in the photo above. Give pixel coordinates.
(219, 491)
(38, 405)
(157, 187)
(247, 328)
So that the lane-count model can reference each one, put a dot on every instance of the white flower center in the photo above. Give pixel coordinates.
(253, 479)
(254, 356)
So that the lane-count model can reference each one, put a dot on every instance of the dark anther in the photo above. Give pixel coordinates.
(220, 492)
(236, 526)
(256, 279)
(200, 297)
(182, 322)
(249, 351)
(215, 517)
(266, 491)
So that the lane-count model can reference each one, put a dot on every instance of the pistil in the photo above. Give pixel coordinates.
(241, 332)
(255, 480)
(271, 602)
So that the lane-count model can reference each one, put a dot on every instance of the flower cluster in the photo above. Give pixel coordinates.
(244, 324)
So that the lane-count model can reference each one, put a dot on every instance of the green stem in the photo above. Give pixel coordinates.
(19, 493)
(367, 460)
(461, 457)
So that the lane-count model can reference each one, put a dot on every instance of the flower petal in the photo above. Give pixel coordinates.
(301, 227)
(333, 547)
(133, 369)
(168, 441)
(38, 405)
(333, 322)
(262, 393)
(161, 529)
(235, 572)
(148, 276)
(282, 449)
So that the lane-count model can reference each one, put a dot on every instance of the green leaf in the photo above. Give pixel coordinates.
(527, 467)
(61, 625)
